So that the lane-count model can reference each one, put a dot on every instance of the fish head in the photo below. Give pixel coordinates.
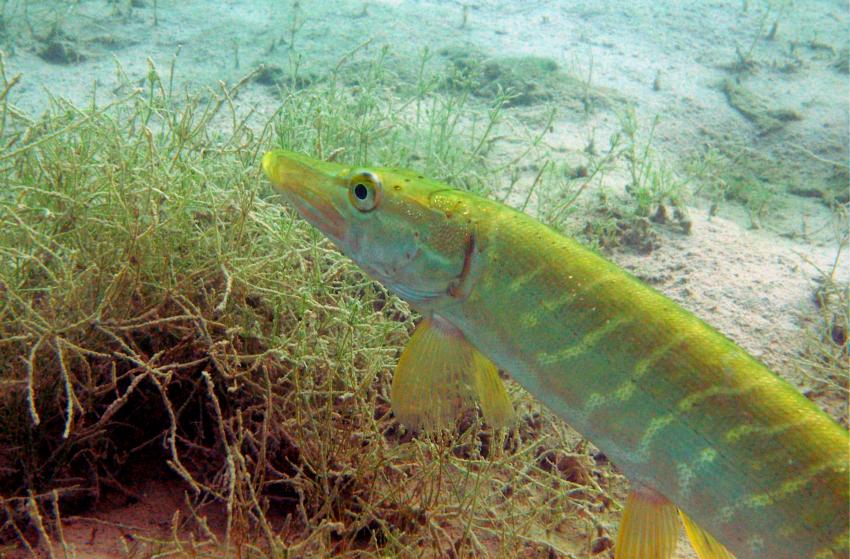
(395, 224)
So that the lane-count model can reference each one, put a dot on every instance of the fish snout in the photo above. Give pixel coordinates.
(314, 194)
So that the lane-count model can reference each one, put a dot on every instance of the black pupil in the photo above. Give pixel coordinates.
(360, 191)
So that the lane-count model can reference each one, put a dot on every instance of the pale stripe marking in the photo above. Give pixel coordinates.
(520, 282)
(584, 344)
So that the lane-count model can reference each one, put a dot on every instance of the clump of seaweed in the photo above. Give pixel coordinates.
(272, 75)
(755, 109)
(825, 357)
(842, 61)
(610, 229)
(746, 61)
(654, 185)
(527, 80)
(162, 318)
(653, 196)
(57, 47)
(730, 170)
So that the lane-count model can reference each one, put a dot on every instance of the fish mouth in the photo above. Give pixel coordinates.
(306, 188)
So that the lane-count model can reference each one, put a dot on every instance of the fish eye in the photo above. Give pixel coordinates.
(364, 190)
(361, 192)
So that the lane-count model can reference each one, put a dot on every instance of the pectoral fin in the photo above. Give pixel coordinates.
(704, 543)
(440, 375)
(649, 529)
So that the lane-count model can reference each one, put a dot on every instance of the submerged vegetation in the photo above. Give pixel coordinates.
(755, 109)
(825, 358)
(162, 318)
(524, 80)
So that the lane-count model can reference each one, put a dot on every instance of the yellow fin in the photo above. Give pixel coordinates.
(704, 543)
(649, 529)
(440, 375)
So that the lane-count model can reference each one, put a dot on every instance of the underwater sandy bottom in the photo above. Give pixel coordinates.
(751, 283)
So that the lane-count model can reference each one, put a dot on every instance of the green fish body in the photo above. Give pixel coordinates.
(700, 427)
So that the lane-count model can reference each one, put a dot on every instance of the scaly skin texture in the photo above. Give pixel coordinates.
(676, 405)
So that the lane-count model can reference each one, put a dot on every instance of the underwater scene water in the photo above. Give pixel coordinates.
(209, 352)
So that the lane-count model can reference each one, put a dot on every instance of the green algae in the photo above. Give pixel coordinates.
(525, 80)
(274, 76)
(58, 47)
(755, 109)
(841, 63)
(729, 169)
(163, 318)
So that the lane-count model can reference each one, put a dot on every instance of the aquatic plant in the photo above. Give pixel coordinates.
(524, 81)
(825, 357)
(163, 318)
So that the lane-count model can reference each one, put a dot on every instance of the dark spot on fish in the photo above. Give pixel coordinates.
(397, 187)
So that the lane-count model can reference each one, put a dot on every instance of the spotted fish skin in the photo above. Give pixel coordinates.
(684, 412)
(675, 404)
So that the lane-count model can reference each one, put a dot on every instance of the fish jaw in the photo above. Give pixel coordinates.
(314, 192)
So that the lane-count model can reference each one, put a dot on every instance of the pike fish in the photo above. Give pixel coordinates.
(706, 434)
